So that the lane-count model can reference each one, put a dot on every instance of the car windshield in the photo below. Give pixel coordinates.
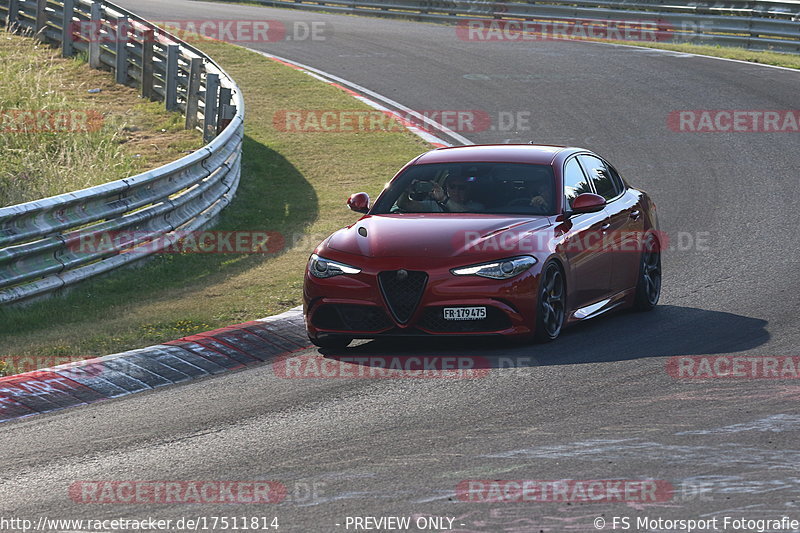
(493, 188)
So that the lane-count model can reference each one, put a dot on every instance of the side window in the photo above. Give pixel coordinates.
(616, 178)
(575, 181)
(601, 178)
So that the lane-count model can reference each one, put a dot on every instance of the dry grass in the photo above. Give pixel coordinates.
(135, 135)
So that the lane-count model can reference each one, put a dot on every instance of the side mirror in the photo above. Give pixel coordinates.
(359, 202)
(588, 203)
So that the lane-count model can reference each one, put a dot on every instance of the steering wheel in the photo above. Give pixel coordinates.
(519, 202)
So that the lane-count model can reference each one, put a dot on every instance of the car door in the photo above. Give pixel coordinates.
(589, 273)
(625, 222)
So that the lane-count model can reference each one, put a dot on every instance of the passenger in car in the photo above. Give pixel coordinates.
(454, 197)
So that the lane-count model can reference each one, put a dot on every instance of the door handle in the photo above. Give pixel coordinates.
(605, 226)
(635, 215)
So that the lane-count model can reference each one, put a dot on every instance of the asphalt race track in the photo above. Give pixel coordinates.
(598, 404)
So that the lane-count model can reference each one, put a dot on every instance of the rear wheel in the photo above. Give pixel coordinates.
(648, 289)
(551, 304)
(331, 341)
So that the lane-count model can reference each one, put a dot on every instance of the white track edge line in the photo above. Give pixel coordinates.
(667, 50)
(376, 96)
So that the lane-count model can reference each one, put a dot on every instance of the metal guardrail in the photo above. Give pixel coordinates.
(38, 250)
(753, 24)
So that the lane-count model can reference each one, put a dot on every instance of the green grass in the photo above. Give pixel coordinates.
(292, 183)
(764, 58)
(133, 135)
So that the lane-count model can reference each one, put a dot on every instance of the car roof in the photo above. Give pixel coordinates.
(540, 154)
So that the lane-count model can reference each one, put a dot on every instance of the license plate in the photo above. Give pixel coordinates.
(464, 313)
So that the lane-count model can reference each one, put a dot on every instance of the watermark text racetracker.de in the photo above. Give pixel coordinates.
(733, 367)
(50, 121)
(591, 241)
(313, 366)
(565, 490)
(156, 492)
(489, 30)
(136, 492)
(17, 364)
(371, 121)
(177, 242)
(227, 30)
(734, 121)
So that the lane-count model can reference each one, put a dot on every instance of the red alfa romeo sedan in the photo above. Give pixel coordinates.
(517, 240)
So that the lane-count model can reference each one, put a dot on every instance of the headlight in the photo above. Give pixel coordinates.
(325, 268)
(502, 269)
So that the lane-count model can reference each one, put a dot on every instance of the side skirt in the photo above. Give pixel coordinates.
(601, 307)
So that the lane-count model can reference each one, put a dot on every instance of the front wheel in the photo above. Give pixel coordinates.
(331, 341)
(551, 307)
(648, 289)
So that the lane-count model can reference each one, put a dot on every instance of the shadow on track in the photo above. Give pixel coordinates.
(666, 331)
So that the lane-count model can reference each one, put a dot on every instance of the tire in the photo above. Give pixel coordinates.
(551, 303)
(648, 287)
(331, 341)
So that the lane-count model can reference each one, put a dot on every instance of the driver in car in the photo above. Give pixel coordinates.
(454, 197)
(539, 197)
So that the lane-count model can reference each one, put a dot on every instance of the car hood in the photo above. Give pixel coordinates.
(433, 235)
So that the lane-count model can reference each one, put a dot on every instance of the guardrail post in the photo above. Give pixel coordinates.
(67, 28)
(226, 110)
(193, 92)
(95, 27)
(41, 19)
(148, 36)
(37, 270)
(171, 80)
(13, 10)
(497, 10)
(750, 33)
(212, 108)
(122, 51)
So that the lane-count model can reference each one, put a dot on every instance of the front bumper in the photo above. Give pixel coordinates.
(360, 306)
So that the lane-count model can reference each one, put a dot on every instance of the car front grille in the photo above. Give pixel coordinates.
(402, 290)
(347, 317)
(433, 320)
